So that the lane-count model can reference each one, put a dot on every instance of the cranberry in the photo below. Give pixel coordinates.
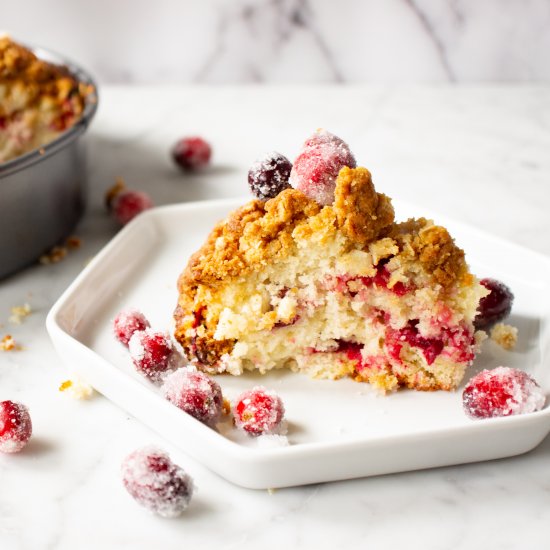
(195, 393)
(15, 426)
(151, 352)
(317, 166)
(501, 392)
(495, 306)
(128, 204)
(155, 482)
(268, 176)
(259, 411)
(127, 322)
(191, 153)
(431, 347)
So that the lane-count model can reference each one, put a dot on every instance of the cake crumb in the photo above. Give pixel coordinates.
(19, 313)
(73, 242)
(271, 491)
(505, 336)
(54, 256)
(77, 389)
(9, 344)
(226, 406)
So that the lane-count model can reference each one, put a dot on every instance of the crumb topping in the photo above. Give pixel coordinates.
(505, 336)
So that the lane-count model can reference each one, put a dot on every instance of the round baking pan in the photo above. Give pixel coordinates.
(42, 193)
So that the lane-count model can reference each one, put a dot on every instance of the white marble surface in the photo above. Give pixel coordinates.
(293, 41)
(477, 154)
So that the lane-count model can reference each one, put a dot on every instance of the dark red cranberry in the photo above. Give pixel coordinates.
(156, 483)
(495, 306)
(192, 153)
(128, 204)
(501, 392)
(268, 176)
(431, 347)
(15, 426)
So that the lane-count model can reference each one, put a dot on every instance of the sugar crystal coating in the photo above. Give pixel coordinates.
(495, 306)
(259, 411)
(269, 175)
(127, 322)
(317, 166)
(15, 426)
(151, 353)
(192, 153)
(156, 483)
(503, 391)
(128, 204)
(196, 393)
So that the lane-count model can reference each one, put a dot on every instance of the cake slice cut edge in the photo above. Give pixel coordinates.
(332, 291)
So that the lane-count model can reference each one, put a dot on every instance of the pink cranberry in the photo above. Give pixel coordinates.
(191, 153)
(15, 426)
(501, 392)
(495, 306)
(195, 393)
(156, 483)
(317, 166)
(128, 204)
(127, 322)
(259, 411)
(268, 176)
(151, 353)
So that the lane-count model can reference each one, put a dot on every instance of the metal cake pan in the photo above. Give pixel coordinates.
(42, 193)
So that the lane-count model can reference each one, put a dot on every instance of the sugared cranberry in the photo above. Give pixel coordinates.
(128, 204)
(155, 482)
(127, 322)
(195, 393)
(191, 153)
(259, 411)
(151, 352)
(268, 176)
(15, 426)
(501, 392)
(317, 166)
(495, 306)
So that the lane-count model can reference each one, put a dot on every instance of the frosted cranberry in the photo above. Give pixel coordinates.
(317, 166)
(495, 306)
(196, 393)
(501, 392)
(15, 426)
(156, 483)
(128, 204)
(191, 153)
(127, 322)
(268, 176)
(259, 411)
(151, 352)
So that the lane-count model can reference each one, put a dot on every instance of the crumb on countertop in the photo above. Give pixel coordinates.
(504, 335)
(19, 313)
(9, 344)
(77, 389)
(59, 252)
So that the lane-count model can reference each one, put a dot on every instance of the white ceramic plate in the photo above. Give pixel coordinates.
(337, 429)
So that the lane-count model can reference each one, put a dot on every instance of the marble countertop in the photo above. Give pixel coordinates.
(478, 154)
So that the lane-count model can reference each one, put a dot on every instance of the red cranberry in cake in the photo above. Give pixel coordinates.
(15, 426)
(501, 392)
(259, 411)
(196, 393)
(151, 353)
(331, 290)
(192, 153)
(495, 306)
(156, 483)
(268, 176)
(127, 322)
(318, 164)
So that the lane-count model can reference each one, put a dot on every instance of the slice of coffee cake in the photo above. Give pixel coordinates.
(333, 289)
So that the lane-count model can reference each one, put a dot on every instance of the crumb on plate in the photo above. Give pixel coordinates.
(505, 336)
